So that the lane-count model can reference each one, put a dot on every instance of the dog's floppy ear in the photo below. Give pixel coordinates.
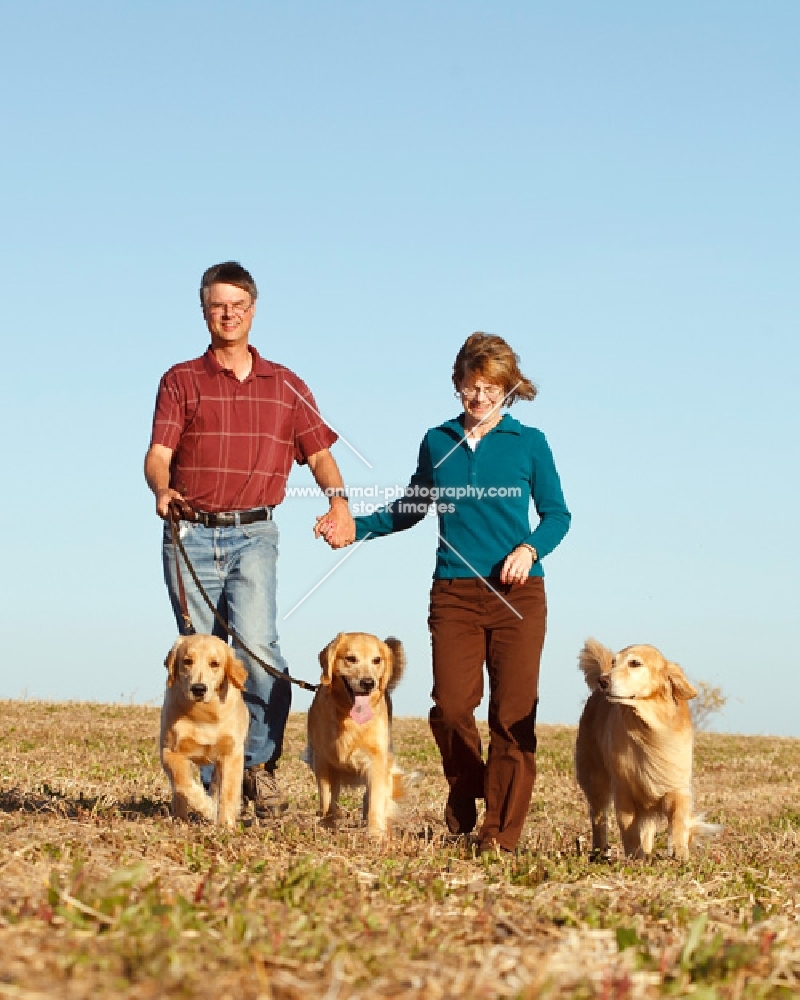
(235, 670)
(327, 657)
(681, 688)
(595, 659)
(171, 661)
(396, 662)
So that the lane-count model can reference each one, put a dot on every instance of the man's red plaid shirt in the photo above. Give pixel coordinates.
(234, 442)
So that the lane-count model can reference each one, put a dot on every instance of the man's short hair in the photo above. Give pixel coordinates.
(230, 272)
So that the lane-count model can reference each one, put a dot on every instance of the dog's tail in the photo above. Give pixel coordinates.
(398, 662)
(595, 659)
(700, 830)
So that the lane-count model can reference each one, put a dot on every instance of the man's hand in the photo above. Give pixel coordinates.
(156, 472)
(517, 565)
(337, 527)
(167, 496)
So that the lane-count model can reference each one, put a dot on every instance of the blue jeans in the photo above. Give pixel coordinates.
(237, 567)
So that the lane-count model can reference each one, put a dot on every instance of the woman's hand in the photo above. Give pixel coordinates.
(517, 564)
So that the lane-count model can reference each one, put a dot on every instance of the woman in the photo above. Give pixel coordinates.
(487, 601)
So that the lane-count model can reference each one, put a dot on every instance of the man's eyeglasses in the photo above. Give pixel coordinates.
(234, 308)
(491, 392)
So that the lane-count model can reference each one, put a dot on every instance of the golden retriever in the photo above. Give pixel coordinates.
(349, 739)
(634, 748)
(204, 720)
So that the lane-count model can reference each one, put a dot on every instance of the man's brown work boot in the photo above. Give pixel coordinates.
(260, 787)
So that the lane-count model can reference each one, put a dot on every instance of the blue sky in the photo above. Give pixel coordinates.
(612, 188)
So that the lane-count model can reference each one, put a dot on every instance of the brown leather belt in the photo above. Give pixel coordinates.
(228, 518)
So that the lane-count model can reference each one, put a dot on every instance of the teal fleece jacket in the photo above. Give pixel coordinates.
(482, 498)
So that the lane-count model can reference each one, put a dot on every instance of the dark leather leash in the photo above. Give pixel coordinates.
(175, 513)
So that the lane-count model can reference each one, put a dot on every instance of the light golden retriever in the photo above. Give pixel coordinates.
(635, 748)
(204, 720)
(349, 738)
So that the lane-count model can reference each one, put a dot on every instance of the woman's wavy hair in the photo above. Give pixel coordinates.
(489, 357)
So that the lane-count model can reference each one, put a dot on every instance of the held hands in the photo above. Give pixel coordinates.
(517, 565)
(336, 526)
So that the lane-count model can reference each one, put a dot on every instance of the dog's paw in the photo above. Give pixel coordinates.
(329, 821)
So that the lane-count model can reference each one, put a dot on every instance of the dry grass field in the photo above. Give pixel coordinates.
(102, 894)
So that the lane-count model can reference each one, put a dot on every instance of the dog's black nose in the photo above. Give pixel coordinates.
(198, 691)
(367, 684)
(604, 682)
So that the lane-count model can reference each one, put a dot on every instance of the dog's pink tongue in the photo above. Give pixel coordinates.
(361, 710)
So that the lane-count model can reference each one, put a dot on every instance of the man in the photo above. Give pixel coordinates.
(226, 429)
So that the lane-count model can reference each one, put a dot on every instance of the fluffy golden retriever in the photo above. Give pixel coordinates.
(349, 739)
(204, 720)
(635, 748)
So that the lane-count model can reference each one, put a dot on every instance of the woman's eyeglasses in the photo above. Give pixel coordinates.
(491, 392)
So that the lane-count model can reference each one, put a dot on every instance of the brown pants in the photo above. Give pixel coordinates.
(470, 625)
